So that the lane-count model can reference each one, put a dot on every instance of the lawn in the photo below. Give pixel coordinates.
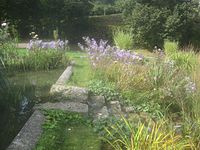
(81, 70)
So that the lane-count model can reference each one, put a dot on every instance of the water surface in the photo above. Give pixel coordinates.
(21, 92)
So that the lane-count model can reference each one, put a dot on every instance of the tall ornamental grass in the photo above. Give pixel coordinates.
(185, 60)
(123, 40)
(141, 137)
(170, 47)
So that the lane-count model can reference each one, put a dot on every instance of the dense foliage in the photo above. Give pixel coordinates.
(150, 21)
(43, 16)
(153, 21)
(105, 7)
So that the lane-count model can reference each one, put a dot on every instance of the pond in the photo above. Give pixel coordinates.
(21, 92)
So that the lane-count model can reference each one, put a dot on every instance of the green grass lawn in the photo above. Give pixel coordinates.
(81, 70)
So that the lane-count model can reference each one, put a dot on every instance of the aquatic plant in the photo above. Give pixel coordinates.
(14, 59)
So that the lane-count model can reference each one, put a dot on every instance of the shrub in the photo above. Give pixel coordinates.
(152, 21)
(123, 40)
(147, 24)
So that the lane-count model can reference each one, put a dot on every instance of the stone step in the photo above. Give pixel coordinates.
(65, 106)
(72, 93)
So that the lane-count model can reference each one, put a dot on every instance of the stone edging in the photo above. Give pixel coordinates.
(65, 76)
(28, 136)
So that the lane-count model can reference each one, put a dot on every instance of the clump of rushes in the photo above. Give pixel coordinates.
(123, 40)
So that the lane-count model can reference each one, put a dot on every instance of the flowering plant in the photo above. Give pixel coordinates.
(35, 43)
(39, 44)
(102, 51)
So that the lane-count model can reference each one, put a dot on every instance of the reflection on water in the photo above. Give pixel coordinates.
(18, 93)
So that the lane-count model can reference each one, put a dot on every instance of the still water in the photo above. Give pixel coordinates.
(18, 93)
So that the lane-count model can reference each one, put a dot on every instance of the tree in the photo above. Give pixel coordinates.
(104, 7)
(147, 25)
(42, 15)
(181, 22)
(152, 21)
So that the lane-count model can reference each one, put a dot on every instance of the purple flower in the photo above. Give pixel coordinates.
(101, 51)
(39, 44)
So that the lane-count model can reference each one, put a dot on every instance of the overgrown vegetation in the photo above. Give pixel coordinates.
(14, 59)
(24, 60)
(162, 88)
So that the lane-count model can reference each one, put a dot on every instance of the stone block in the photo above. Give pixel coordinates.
(96, 102)
(66, 106)
(115, 108)
(72, 93)
(101, 114)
